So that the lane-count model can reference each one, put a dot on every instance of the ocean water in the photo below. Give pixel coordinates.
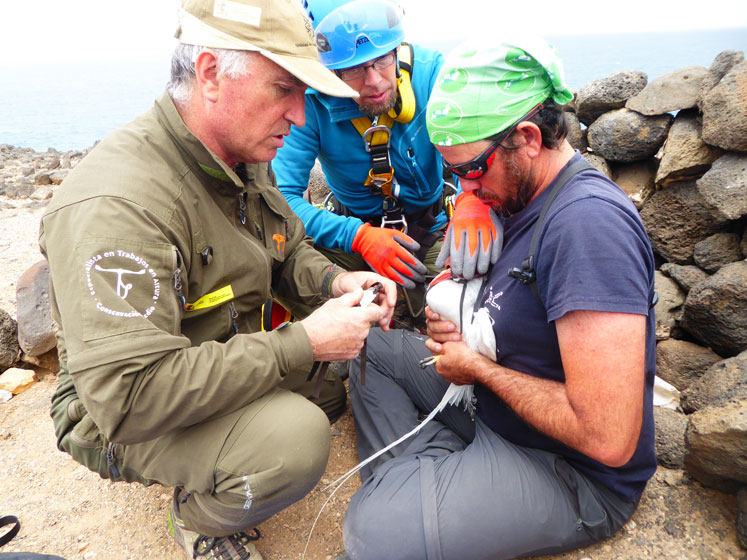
(71, 107)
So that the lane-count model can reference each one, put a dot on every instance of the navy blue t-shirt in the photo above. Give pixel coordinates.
(592, 254)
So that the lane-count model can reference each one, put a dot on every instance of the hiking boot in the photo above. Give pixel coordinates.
(238, 546)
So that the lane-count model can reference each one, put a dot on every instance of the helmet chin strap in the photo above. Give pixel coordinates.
(404, 108)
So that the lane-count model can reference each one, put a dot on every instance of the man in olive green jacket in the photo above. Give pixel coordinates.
(163, 246)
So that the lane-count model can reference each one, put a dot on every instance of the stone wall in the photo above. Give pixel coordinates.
(678, 147)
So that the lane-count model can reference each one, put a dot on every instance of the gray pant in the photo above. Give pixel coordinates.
(457, 490)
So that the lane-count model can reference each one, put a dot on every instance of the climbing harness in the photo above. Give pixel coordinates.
(377, 134)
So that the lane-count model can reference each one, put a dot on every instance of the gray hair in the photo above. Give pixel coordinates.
(231, 63)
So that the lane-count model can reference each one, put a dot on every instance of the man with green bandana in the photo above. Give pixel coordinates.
(164, 244)
(562, 441)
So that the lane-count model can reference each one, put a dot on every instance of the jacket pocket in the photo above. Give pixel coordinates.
(86, 434)
(275, 223)
(88, 447)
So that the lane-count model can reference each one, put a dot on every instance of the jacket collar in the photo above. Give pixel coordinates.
(192, 148)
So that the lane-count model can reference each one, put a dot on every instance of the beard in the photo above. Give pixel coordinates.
(519, 187)
(375, 109)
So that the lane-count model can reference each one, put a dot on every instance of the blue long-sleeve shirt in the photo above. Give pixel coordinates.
(331, 137)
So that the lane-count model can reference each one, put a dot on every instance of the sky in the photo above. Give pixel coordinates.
(56, 32)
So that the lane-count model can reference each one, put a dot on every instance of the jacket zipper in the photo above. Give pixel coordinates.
(234, 316)
(242, 214)
(419, 177)
(178, 284)
(242, 207)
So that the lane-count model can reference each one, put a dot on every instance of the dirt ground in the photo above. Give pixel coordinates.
(69, 511)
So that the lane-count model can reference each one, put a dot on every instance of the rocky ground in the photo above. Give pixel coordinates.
(69, 511)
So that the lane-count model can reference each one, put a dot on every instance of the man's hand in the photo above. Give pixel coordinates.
(440, 331)
(338, 328)
(474, 238)
(390, 253)
(458, 363)
(386, 299)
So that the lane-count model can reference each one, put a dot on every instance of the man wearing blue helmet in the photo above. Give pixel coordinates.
(386, 208)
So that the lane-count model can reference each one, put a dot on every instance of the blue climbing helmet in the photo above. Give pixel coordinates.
(351, 32)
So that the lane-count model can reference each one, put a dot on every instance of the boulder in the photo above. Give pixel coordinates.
(676, 219)
(724, 61)
(42, 193)
(716, 447)
(49, 361)
(10, 351)
(599, 163)
(742, 517)
(724, 187)
(23, 187)
(715, 310)
(16, 380)
(52, 161)
(624, 135)
(58, 176)
(670, 437)
(36, 332)
(725, 382)
(576, 137)
(669, 307)
(600, 96)
(684, 155)
(42, 178)
(681, 363)
(725, 111)
(637, 180)
(670, 92)
(685, 275)
(716, 251)
(318, 188)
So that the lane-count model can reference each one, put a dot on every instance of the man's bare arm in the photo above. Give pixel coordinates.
(599, 409)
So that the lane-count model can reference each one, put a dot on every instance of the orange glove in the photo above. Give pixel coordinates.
(474, 238)
(390, 253)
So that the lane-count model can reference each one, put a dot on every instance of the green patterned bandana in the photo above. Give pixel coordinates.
(486, 87)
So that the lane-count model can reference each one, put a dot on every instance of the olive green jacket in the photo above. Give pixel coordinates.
(158, 253)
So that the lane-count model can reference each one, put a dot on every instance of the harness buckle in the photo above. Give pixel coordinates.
(393, 216)
(370, 132)
(380, 183)
(526, 274)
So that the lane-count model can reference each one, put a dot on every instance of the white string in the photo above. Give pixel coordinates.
(318, 515)
(446, 299)
(454, 395)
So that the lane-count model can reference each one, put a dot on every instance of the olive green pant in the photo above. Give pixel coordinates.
(230, 473)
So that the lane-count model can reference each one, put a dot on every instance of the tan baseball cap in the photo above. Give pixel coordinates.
(277, 29)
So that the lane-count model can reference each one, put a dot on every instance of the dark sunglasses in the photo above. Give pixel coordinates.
(478, 166)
